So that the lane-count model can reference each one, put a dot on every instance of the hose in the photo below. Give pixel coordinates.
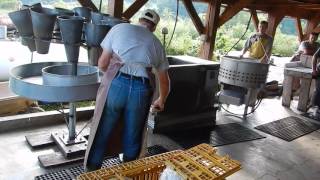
(248, 24)
(175, 24)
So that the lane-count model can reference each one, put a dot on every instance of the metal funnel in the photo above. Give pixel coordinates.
(96, 17)
(43, 20)
(22, 20)
(36, 5)
(83, 12)
(62, 12)
(93, 55)
(95, 33)
(72, 52)
(112, 21)
(71, 32)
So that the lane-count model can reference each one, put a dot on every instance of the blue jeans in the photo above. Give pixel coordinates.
(129, 99)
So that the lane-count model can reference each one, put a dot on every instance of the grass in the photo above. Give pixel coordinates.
(57, 106)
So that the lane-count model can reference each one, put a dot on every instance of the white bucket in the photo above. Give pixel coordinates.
(3, 32)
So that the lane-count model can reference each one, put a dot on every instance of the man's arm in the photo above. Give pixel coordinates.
(246, 47)
(164, 88)
(104, 60)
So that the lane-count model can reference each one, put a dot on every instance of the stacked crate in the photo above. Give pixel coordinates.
(199, 163)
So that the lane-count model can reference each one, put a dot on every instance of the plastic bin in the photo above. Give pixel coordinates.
(202, 163)
(198, 163)
(147, 168)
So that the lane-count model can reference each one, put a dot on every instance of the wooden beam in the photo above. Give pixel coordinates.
(311, 25)
(212, 21)
(299, 29)
(89, 4)
(274, 19)
(194, 16)
(232, 9)
(134, 8)
(255, 18)
(317, 29)
(115, 8)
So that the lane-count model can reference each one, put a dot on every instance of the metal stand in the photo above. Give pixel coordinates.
(69, 143)
(31, 57)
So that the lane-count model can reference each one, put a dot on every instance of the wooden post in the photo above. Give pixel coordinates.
(134, 8)
(287, 90)
(304, 94)
(212, 20)
(299, 29)
(115, 8)
(273, 21)
(255, 19)
(194, 16)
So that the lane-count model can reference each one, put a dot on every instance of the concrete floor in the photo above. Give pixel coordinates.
(268, 159)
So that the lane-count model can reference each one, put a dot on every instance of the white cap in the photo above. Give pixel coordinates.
(150, 15)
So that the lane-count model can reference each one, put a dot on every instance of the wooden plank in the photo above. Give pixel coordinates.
(287, 90)
(304, 94)
(89, 4)
(115, 8)
(56, 159)
(134, 8)
(39, 140)
(299, 29)
(255, 18)
(194, 16)
(232, 10)
(212, 20)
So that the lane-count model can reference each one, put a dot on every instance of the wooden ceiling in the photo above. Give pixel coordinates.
(276, 10)
(303, 9)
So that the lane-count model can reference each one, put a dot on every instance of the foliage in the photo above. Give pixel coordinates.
(186, 39)
(284, 45)
(58, 106)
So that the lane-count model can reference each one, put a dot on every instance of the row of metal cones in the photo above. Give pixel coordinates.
(79, 26)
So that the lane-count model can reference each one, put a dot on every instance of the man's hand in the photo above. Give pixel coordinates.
(157, 105)
(164, 88)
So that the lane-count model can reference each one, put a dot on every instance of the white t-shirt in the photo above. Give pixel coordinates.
(137, 47)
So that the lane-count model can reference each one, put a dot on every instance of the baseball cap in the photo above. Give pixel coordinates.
(151, 15)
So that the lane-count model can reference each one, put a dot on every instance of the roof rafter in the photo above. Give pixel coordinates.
(89, 4)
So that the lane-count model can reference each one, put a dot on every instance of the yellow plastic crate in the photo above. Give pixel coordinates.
(146, 168)
(198, 163)
(202, 163)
